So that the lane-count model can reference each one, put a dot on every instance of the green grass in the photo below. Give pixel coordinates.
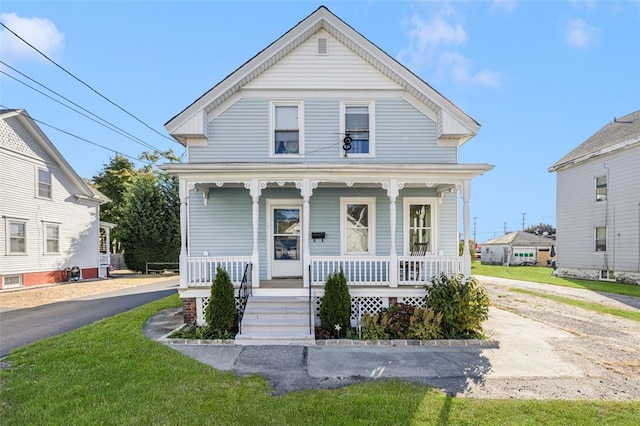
(596, 307)
(110, 373)
(543, 275)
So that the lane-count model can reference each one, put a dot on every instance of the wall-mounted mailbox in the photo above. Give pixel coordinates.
(317, 236)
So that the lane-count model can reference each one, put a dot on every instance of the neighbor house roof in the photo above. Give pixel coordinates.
(83, 189)
(453, 122)
(618, 134)
(520, 238)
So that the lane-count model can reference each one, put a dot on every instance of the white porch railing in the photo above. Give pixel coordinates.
(360, 270)
(202, 270)
(414, 270)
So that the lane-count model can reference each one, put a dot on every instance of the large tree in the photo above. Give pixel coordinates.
(540, 229)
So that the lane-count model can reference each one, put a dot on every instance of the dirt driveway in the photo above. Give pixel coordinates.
(43, 295)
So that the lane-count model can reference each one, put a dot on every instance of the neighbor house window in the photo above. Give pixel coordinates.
(287, 128)
(52, 238)
(17, 237)
(357, 219)
(418, 223)
(601, 188)
(44, 183)
(357, 126)
(9, 281)
(601, 238)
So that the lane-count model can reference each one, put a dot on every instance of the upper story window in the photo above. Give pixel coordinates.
(601, 238)
(357, 219)
(601, 188)
(357, 124)
(52, 238)
(17, 237)
(44, 183)
(287, 128)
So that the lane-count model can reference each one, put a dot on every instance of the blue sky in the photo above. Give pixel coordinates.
(540, 77)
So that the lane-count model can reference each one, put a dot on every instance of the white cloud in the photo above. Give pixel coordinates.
(459, 68)
(39, 32)
(430, 46)
(505, 5)
(583, 4)
(580, 34)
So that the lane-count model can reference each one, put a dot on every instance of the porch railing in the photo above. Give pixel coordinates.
(359, 270)
(414, 270)
(202, 270)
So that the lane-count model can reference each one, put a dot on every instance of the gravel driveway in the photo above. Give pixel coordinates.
(601, 352)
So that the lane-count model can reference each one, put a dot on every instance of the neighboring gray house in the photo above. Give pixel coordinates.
(321, 153)
(50, 216)
(598, 205)
(517, 248)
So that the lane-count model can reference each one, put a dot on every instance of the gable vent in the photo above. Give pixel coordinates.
(323, 46)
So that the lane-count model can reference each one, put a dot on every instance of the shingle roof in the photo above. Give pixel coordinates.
(520, 238)
(619, 133)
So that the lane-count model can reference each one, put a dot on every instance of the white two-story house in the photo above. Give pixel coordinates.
(51, 229)
(598, 205)
(319, 154)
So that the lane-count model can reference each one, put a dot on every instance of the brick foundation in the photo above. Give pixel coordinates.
(189, 310)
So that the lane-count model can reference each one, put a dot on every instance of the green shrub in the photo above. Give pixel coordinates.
(335, 310)
(372, 329)
(425, 324)
(221, 314)
(464, 305)
(396, 320)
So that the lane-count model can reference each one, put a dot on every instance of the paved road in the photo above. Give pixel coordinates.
(23, 326)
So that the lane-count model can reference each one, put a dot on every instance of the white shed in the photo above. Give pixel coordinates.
(517, 248)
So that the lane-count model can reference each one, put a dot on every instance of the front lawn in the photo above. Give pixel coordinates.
(543, 275)
(110, 373)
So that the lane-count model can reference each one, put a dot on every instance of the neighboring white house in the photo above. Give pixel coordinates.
(50, 216)
(598, 205)
(321, 153)
(517, 248)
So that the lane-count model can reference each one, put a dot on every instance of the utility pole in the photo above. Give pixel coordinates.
(475, 242)
(523, 215)
(504, 224)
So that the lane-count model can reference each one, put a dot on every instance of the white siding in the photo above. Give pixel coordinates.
(578, 213)
(304, 69)
(79, 225)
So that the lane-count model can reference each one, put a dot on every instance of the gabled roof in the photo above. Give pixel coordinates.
(618, 134)
(520, 238)
(83, 190)
(460, 125)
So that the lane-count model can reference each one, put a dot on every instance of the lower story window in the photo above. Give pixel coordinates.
(601, 238)
(357, 218)
(12, 281)
(52, 243)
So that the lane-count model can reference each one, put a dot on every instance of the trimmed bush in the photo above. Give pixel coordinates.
(335, 309)
(464, 305)
(221, 314)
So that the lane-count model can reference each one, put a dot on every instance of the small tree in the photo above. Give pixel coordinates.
(464, 305)
(335, 311)
(221, 313)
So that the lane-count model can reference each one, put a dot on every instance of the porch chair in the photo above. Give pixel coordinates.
(412, 267)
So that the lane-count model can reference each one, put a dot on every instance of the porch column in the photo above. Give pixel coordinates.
(306, 190)
(466, 256)
(184, 199)
(393, 190)
(255, 190)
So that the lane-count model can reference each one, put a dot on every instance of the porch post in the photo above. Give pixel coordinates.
(466, 256)
(184, 199)
(392, 191)
(306, 190)
(255, 190)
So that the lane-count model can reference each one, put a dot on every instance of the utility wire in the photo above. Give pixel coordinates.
(85, 84)
(109, 125)
(79, 137)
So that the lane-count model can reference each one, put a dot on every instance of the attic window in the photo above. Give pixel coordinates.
(323, 46)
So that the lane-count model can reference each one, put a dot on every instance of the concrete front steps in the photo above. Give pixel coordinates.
(276, 320)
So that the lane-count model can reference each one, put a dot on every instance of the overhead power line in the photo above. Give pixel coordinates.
(85, 84)
(80, 137)
(102, 121)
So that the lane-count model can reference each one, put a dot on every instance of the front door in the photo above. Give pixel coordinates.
(286, 244)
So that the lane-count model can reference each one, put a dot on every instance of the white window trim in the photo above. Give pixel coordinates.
(8, 222)
(371, 202)
(433, 202)
(4, 281)
(272, 128)
(606, 239)
(595, 184)
(372, 120)
(38, 183)
(44, 226)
